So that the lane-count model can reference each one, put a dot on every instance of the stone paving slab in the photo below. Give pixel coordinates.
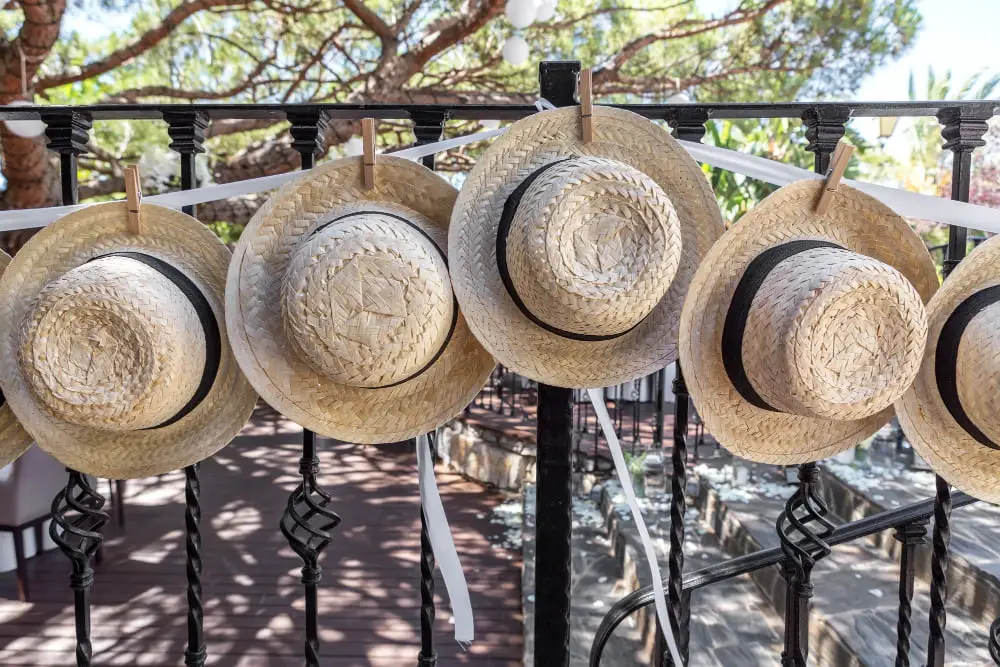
(855, 600)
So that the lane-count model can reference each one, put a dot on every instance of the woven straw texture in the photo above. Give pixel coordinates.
(14, 440)
(833, 338)
(598, 243)
(100, 352)
(322, 321)
(951, 452)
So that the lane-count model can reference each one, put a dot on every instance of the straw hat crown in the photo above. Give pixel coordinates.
(366, 299)
(977, 364)
(592, 245)
(112, 344)
(832, 334)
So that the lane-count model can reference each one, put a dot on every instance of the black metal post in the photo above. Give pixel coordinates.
(187, 135)
(687, 125)
(824, 130)
(307, 502)
(428, 128)
(963, 130)
(554, 532)
(909, 536)
(77, 518)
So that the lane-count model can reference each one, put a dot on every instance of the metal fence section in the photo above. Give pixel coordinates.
(564, 427)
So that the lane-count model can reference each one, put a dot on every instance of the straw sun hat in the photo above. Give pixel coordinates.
(571, 259)
(14, 440)
(115, 358)
(801, 329)
(951, 414)
(340, 308)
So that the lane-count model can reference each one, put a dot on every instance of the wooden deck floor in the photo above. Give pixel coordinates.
(369, 595)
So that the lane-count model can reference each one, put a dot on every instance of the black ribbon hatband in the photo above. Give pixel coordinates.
(206, 317)
(946, 359)
(734, 327)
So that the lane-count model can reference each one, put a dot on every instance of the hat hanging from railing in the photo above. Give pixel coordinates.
(573, 242)
(951, 414)
(115, 358)
(14, 440)
(805, 322)
(340, 307)
(341, 313)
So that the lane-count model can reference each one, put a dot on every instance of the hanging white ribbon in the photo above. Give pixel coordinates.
(601, 409)
(906, 204)
(444, 546)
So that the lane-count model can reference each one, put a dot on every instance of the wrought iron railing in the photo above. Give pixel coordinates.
(310, 520)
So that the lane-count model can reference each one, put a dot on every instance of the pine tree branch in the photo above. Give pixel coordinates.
(148, 40)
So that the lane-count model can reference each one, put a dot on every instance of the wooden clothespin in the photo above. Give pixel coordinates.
(133, 199)
(587, 105)
(838, 165)
(368, 152)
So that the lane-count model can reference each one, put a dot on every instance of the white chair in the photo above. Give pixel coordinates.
(27, 488)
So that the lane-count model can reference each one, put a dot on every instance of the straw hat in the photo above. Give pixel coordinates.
(951, 414)
(116, 358)
(340, 309)
(801, 329)
(14, 440)
(571, 259)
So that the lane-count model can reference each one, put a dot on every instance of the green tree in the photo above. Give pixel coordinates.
(401, 51)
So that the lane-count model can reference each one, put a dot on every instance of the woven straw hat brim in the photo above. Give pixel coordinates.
(517, 342)
(856, 222)
(254, 316)
(930, 428)
(14, 440)
(73, 240)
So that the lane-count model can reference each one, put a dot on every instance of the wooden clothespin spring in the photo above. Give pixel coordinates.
(838, 165)
(133, 199)
(587, 105)
(368, 152)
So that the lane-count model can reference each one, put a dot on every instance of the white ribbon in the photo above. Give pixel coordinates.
(444, 546)
(906, 204)
(597, 399)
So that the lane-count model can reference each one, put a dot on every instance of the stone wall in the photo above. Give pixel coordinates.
(488, 455)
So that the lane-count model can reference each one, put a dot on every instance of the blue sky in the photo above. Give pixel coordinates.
(963, 35)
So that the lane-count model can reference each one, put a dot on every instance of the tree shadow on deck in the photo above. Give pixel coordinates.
(369, 594)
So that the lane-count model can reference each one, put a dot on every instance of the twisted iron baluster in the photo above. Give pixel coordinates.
(678, 506)
(195, 654)
(77, 520)
(427, 656)
(995, 641)
(305, 524)
(909, 536)
(803, 548)
(939, 573)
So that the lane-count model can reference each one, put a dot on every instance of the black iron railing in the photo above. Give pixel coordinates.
(805, 535)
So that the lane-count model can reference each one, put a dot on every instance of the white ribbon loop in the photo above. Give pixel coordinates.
(444, 546)
(597, 399)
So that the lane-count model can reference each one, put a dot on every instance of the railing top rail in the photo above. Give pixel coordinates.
(742, 110)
